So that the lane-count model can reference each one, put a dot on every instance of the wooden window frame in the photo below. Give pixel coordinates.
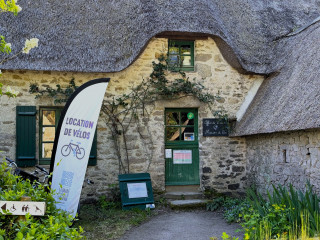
(179, 43)
(57, 109)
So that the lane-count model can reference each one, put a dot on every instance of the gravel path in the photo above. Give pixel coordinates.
(195, 225)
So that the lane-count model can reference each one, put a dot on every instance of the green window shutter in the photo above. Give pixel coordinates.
(26, 136)
(93, 152)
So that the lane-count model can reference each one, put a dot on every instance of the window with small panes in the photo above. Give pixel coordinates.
(181, 55)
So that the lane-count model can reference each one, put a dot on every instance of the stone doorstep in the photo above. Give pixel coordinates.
(187, 204)
(183, 195)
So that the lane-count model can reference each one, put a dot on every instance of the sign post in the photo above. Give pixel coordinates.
(23, 207)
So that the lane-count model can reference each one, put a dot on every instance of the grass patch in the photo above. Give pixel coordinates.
(112, 223)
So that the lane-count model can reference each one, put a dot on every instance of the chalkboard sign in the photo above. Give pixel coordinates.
(215, 127)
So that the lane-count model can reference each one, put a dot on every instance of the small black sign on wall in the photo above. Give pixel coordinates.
(215, 127)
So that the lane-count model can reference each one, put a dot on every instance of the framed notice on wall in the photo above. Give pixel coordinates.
(182, 156)
(215, 127)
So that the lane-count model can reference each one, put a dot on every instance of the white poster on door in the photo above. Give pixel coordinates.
(182, 156)
(168, 153)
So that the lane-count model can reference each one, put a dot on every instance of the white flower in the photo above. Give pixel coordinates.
(7, 45)
(29, 44)
(11, 91)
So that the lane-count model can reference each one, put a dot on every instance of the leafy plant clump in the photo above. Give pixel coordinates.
(232, 207)
(289, 213)
(55, 224)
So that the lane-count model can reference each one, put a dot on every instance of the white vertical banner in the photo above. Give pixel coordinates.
(73, 142)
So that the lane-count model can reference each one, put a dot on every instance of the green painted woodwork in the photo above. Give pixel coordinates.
(26, 136)
(178, 137)
(93, 152)
(181, 55)
(178, 123)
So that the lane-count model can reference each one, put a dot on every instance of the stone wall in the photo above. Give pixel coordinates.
(284, 158)
(222, 159)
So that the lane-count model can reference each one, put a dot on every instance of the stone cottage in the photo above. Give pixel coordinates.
(251, 54)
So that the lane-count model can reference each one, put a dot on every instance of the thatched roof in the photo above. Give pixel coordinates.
(290, 99)
(106, 36)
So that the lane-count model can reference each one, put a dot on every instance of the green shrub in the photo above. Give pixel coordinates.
(56, 224)
(275, 218)
(215, 204)
(232, 207)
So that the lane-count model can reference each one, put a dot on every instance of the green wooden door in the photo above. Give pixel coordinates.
(181, 146)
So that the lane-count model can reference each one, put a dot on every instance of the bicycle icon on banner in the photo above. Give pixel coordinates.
(77, 151)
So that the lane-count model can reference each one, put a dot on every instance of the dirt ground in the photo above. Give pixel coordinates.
(183, 225)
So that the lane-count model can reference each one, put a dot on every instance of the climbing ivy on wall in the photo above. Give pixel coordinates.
(131, 111)
(59, 94)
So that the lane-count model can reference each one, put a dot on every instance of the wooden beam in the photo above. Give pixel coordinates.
(182, 36)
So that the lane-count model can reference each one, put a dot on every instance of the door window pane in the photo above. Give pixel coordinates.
(187, 118)
(172, 133)
(188, 134)
(172, 118)
(180, 125)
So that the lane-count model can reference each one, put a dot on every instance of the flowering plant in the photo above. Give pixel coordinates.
(29, 44)
(11, 6)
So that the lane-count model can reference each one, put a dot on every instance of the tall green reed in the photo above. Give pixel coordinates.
(301, 210)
